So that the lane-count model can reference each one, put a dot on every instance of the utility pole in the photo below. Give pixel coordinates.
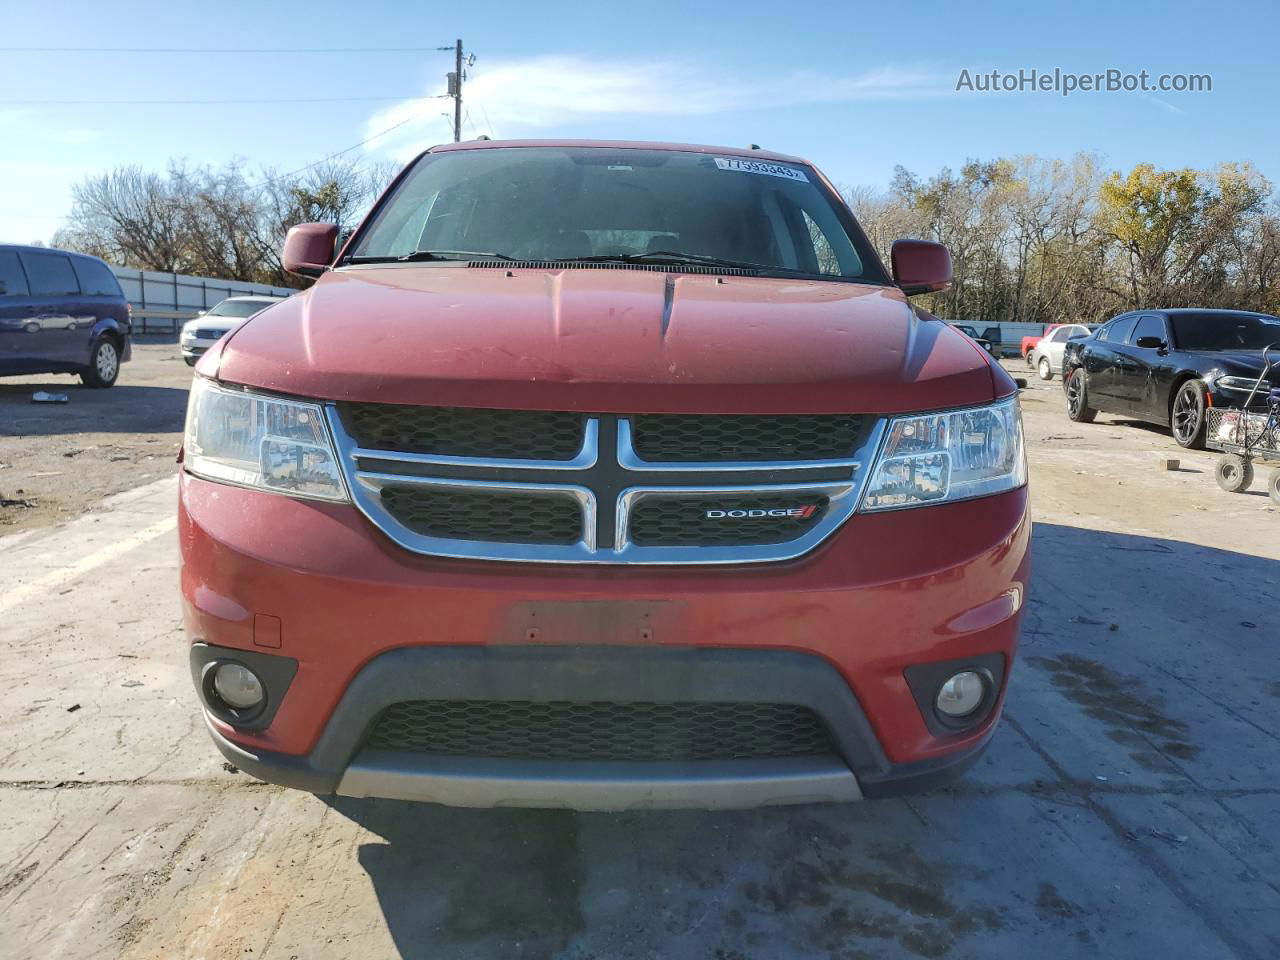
(457, 94)
(455, 87)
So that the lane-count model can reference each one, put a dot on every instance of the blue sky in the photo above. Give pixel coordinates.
(855, 87)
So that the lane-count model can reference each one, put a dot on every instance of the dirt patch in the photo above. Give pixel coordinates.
(1118, 701)
(916, 909)
(16, 879)
(1051, 905)
(58, 461)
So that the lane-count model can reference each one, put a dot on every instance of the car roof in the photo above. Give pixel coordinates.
(255, 297)
(29, 248)
(621, 145)
(1182, 311)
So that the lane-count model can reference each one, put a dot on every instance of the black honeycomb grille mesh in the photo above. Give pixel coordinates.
(566, 731)
(674, 437)
(486, 515)
(682, 520)
(463, 432)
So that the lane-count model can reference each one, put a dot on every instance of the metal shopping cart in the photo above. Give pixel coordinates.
(1246, 434)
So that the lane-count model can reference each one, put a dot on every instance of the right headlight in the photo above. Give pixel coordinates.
(954, 455)
(1244, 385)
(262, 441)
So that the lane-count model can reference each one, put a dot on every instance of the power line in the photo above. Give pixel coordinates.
(219, 102)
(487, 122)
(354, 146)
(232, 50)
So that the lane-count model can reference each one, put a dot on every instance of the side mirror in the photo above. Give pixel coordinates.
(1150, 343)
(920, 266)
(309, 248)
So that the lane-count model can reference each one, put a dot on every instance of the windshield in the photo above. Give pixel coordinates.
(576, 203)
(238, 308)
(1220, 331)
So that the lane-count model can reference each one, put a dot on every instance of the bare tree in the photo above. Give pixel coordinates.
(1030, 238)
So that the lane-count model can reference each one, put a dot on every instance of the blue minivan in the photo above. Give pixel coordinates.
(61, 312)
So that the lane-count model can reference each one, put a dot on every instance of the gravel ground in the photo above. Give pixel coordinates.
(59, 460)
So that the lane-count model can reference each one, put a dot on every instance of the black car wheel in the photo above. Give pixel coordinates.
(1186, 417)
(1233, 473)
(1273, 485)
(1045, 369)
(1078, 408)
(104, 364)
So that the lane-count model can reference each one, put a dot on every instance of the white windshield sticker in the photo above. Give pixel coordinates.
(761, 166)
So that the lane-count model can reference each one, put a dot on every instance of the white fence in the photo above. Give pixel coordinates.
(165, 300)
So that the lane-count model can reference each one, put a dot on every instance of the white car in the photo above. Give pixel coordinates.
(1046, 355)
(199, 334)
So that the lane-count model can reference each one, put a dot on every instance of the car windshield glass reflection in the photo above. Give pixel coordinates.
(236, 308)
(1206, 331)
(584, 204)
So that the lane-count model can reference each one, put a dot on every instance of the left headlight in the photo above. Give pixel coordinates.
(254, 440)
(948, 456)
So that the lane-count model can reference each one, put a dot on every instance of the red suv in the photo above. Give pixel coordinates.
(603, 475)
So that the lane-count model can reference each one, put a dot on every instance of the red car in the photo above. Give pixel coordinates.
(603, 475)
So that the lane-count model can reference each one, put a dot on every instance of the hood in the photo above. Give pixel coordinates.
(207, 322)
(607, 341)
(1236, 363)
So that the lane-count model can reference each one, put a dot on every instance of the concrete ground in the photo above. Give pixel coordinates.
(1128, 807)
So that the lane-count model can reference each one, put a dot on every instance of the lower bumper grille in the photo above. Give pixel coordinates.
(568, 731)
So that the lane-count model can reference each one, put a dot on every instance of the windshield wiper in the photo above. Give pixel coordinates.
(419, 256)
(672, 257)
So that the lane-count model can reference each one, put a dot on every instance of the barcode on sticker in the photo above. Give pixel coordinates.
(761, 166)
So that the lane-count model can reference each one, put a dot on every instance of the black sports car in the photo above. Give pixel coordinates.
(1169, 366)
(972, 334)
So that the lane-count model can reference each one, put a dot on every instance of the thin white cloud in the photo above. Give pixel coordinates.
(1163, 104)
(542, 94)
(23, 121)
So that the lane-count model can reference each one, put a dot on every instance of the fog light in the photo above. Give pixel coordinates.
(961, 695)
(237, 685)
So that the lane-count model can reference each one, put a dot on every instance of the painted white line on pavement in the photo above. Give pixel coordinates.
(56, 578)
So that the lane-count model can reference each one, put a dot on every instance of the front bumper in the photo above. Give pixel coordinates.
(369, 625)
(341, 764)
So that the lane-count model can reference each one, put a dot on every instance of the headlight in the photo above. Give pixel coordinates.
(259, 441)
(941, 457)
(1243, 384)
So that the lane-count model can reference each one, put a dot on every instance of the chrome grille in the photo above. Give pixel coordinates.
(472, 514)
(569, 731)
(462, 432)
(709, 519)
(602, 488)
(663, 438)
